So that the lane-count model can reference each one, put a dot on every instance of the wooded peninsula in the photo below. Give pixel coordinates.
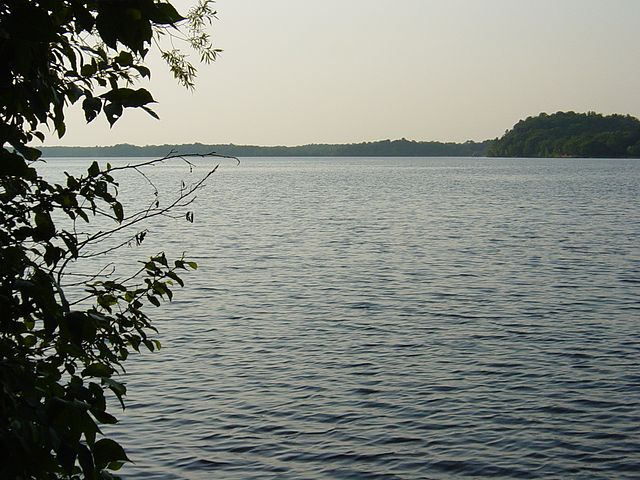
(562, 134)
(570, 134)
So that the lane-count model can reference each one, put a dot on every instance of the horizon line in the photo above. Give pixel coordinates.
(402, 139)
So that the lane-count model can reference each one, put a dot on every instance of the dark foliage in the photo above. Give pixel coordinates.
(60, 356)
(569, 134)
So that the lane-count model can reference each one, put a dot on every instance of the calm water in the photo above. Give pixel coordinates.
(396, 318)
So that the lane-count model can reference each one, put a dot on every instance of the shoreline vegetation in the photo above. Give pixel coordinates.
(558, 135)
(384, 148)
(570, 134)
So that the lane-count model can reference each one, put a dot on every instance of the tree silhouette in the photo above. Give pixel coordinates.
(59, 357)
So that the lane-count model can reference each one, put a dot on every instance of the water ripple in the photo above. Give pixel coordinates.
(398, 319)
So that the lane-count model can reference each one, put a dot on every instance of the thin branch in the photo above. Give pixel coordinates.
(90, 278)
(173, 155)
(174, 204)
(181, 201)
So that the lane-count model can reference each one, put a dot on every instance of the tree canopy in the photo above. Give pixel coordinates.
(384, 148)
(59, 356)
(570, 134)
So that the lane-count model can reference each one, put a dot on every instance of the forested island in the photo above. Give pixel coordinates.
(384, 148)
(562, 134)
(570, 134)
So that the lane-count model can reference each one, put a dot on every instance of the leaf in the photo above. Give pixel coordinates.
(28, 152)
(165, 14)
(143, 71)
(113, 111)
(83, 215)
(128, 97)
(104, 417)
(193, 265)
(174, 276)
(140, 237)
(94, 169)
(86, 462)
(88, 69)
(91, 107)
(98, 403)
(150, 112)
(106, 301)
(106, 451)
(74, 93)
(154, 300)
(89, 428)
(118, 211)
(52, 254)
(66, 455)
(97, 370)
(124, 58)
(118, 388)
(161, 259)
(72, 183)
(58, 121)
(12, 164)
(71, 243)
(45, 229)
(115, 466)
(106, 22)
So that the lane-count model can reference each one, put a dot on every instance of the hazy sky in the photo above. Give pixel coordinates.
(337, 71)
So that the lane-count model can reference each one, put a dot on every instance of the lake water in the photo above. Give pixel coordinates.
(395, 318)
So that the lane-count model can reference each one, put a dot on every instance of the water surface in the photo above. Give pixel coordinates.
(396, 318)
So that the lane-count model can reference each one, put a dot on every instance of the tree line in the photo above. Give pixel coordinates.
(570, 134)
(383, 148)
(562, 134)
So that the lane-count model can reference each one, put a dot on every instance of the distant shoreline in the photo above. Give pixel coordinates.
(559, 135)
(383, 148)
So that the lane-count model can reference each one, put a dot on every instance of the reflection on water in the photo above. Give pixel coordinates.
(397, 318)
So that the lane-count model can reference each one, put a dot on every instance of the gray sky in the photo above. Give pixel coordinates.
(338, 71)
